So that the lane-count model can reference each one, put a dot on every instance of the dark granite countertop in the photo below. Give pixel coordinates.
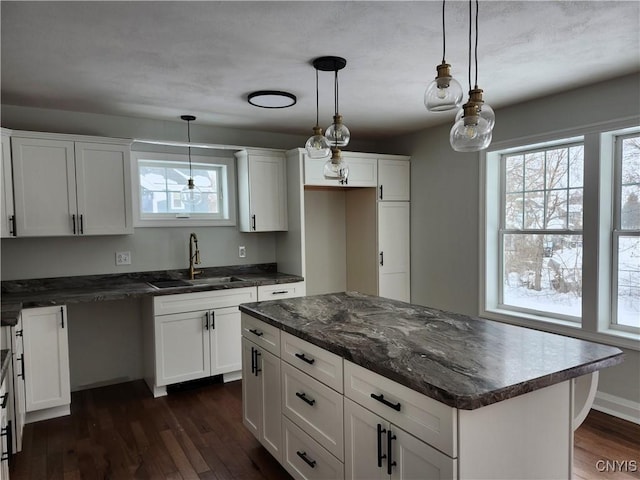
(18, 294)
(461, 361)
(5, 358)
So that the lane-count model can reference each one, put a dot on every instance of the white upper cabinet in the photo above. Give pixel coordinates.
(394, 182)
(394, 270)
(7, 227)
(64, 187)
(262, 191)
(363, 171)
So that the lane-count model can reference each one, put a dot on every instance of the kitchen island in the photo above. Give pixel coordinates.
(422, 393)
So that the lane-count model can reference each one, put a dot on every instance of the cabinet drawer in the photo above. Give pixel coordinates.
(281, 290)
(423, 417)
(191, 302)
(261, 333)
(304, 458)
(317, 362)
(314, 407)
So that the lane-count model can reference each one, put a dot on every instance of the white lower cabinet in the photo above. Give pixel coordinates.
(378, 449)
(46, 362)
(261, 396)
(4, 429)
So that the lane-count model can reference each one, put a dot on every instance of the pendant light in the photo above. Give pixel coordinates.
(445, 92)
(471, 131)
(190, 194)
(317, 146)
(337, 134)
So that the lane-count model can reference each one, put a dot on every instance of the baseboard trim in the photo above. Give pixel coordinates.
(617, 406)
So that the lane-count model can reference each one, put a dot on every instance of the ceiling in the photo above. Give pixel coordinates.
(163, 59)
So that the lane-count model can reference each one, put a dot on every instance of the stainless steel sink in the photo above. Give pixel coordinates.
(196, 282)
(170, 283)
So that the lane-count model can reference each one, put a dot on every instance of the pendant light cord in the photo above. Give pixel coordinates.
(469, 45)
(444, 37)
(336, 91)
(189, 139)
(317, 102)
(476, 46)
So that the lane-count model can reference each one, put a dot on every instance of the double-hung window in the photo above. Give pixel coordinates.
(162, 197)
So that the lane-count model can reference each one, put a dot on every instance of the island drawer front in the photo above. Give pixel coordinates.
(261, 333)
(191, 302)
(305, 458)
(315, 408)
(431, 421)
(317, 362)
(281, 290)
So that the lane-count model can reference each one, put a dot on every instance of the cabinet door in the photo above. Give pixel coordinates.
(6, 183)
(104, 188)
(271, 428)
(44, 187)
(393, 180)
(394, 275)
(225, 334)
(4, 443)
(364, 442)
(415, 459)
(363, 172)
(182, 347)
(46, 357)
(267, 193)
(17, 350)
(251, 398)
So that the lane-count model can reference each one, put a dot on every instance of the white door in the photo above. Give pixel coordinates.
(6, 183)
(394, 273)
(103, 187)
(225, 334)
(251, 391)
(271, 432)
(267, 193)
(394, 180)
(364, 443)
(44, 187)
(416, 460)
(46, 357)
(182, 347)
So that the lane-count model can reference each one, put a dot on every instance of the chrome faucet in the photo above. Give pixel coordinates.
(194, 257)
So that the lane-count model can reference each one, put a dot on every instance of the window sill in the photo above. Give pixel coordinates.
(616, 338)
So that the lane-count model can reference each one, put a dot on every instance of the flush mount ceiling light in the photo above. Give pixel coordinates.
(271, 99)
(190, 194)
(445, 92)
(472, 130)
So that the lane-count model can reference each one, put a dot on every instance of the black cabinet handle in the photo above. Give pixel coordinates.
(12, 225)
(253, 222)
(253, 360)
(81, 223)
(381, 258)
(256, 332)
(303, 456)
(62, 315)
(302, 357)
(390, 462)
(279, 292)
(380, 192)
(19, 333)
(303, 397)
(381, 399)
(258, 370)
(5, 457)
(5, 398)
(380, 454)
(206, 321)
(22, 369)
(213, 320)
(73, 219)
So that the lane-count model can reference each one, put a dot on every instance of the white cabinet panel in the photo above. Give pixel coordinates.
(225, 333)
(394, 271)
(6, 183)
(363, 172)
(261, 333)
(281, 290)
(4, 418)
(394, 180)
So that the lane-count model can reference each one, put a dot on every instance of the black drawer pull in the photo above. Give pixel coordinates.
(381, 399)
(303, 396)
(279, 292)
(258, 369)
(256, 332)
(301, 356)
(5, 398)
(390, 462)
(22, 365)
(303, 456)
(381, 455)
(4, 431)
(5, 457)
(253, 360)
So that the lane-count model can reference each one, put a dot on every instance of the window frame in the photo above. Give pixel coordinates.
(598, 223)
(228, 193)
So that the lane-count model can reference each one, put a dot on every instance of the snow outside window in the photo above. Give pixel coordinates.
(541, 231)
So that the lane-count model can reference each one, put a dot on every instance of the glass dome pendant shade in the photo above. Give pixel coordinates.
(317, 145)
(471, 133)
(190, 195)
(336, 167)
(484, 110)
(445, 92)
(338, 134)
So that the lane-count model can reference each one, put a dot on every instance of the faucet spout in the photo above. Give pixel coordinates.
(194, 256)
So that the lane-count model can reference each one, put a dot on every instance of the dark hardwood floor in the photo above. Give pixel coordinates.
(121, 432)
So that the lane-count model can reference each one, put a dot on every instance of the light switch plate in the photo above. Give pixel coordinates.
(123, 258)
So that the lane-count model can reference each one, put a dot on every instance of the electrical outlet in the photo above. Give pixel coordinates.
(242, 251)
(123, 258)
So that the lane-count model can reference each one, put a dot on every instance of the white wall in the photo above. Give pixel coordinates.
(445, 201)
